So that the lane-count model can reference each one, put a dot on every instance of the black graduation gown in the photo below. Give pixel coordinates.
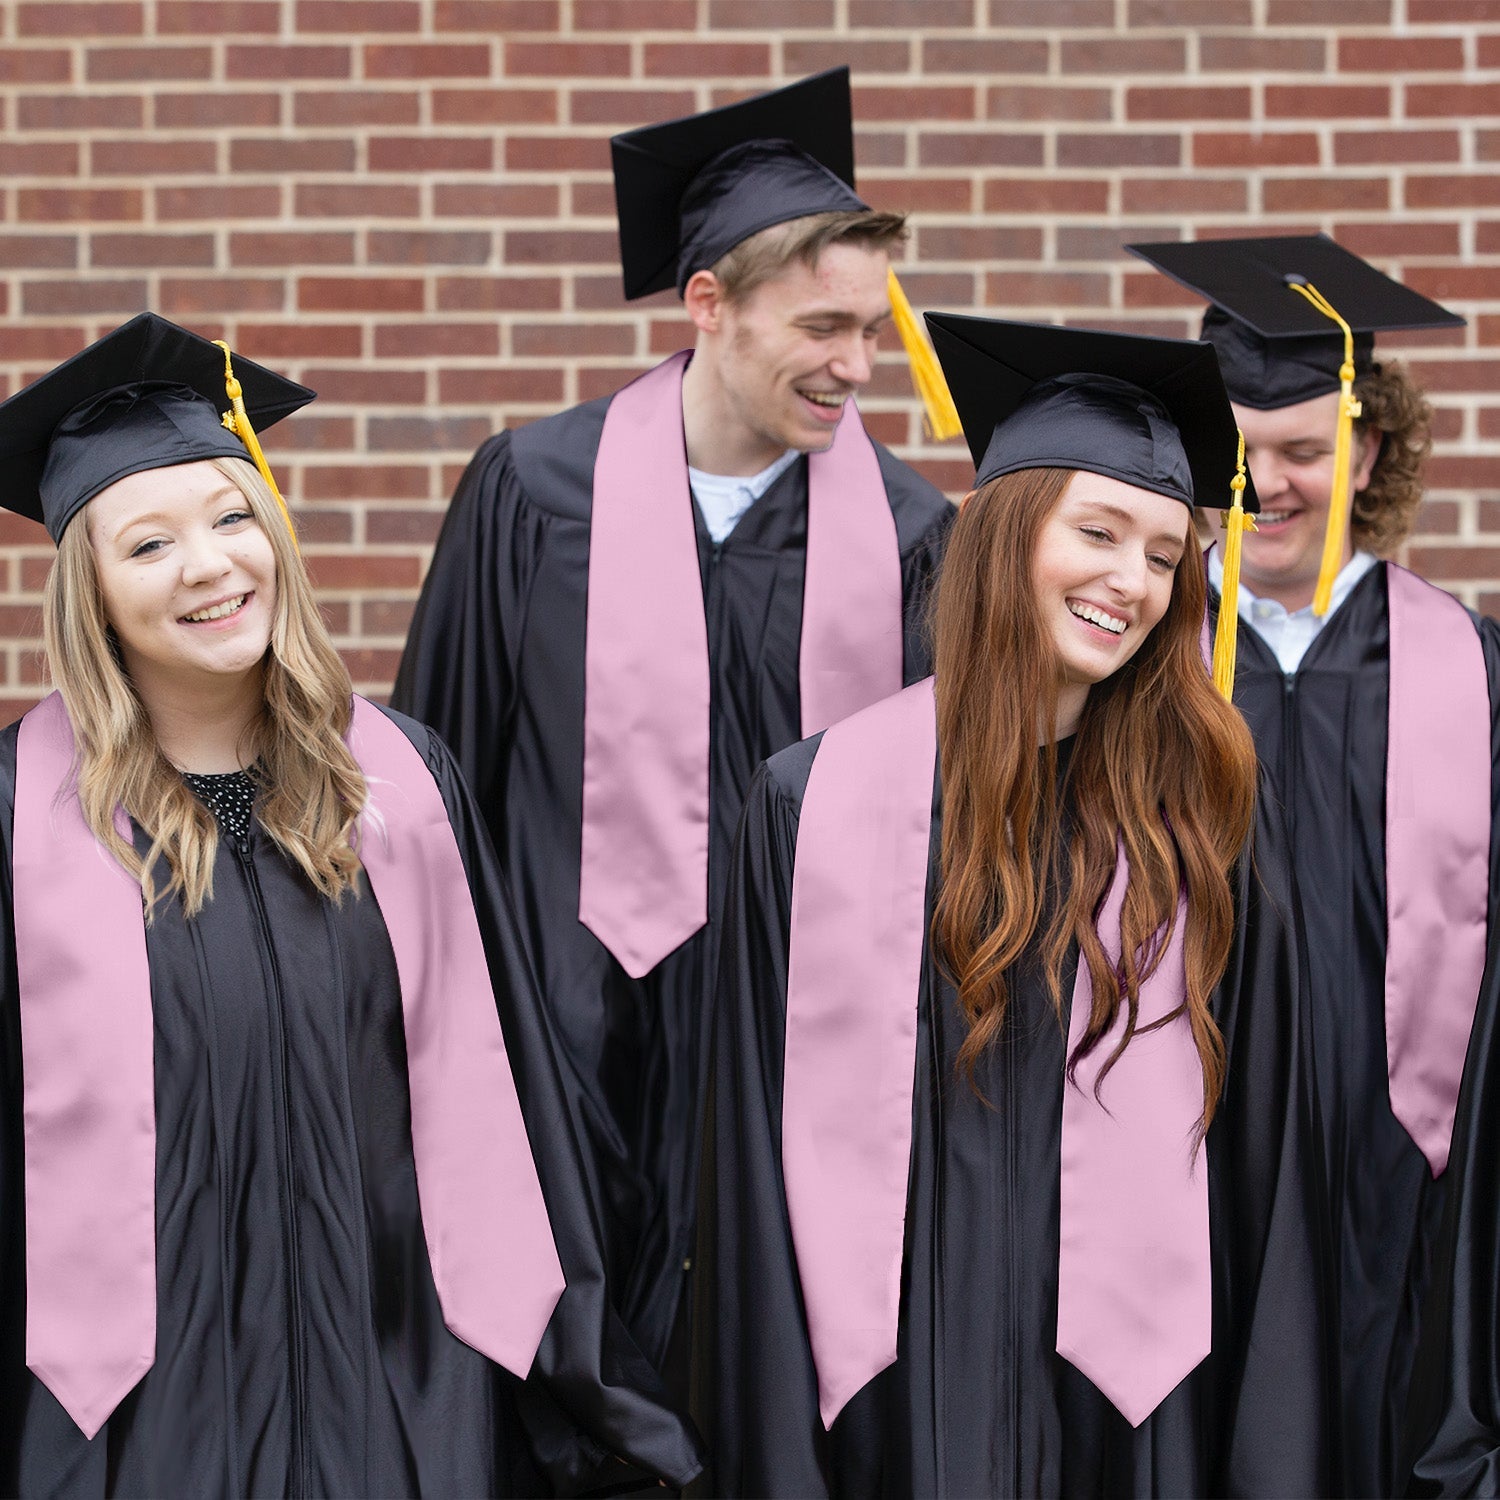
(1453, 1425)
(300, 1345)
(1321, 733)
(495, 663)
(978, 1402)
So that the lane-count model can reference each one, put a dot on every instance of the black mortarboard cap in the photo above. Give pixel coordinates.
(147, 396)
(1275, 347)
(690, 190)
(1151, 412)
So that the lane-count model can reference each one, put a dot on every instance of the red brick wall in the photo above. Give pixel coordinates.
(407, 204)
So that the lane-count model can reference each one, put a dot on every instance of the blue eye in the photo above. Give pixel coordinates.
(234, 517)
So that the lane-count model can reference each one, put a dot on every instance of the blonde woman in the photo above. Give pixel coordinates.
(286, 1182)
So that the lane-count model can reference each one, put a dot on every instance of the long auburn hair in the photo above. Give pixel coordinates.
(311, 790)
(1160, 763)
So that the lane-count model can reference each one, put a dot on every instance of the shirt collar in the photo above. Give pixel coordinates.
(756, 484)
(1349, 575)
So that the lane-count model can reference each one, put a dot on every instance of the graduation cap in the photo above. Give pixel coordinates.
(690, 190)
(1276, 346)
(1151, 412)
(1273, 301)
(147, 396)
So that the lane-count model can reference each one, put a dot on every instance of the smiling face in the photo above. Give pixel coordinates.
(1103, 569)
(796, 347)
(187, 576)
(1289, 453)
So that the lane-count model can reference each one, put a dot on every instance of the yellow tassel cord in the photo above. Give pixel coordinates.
(1338, 498)
(926, 372)
(237, 420)
(1236, 523)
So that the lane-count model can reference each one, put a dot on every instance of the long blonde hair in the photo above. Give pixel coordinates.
(1160, 763)
(310, 788)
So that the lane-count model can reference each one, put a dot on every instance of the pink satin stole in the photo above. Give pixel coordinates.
(1437, 838)
(643, 880)
(858, 929)
(854, 970)
(87, 1079)
(851, 653)
(87, 1042)
(489, 1239)
(1135, 1281)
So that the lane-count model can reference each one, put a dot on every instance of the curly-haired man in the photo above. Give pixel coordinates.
(1373, 719)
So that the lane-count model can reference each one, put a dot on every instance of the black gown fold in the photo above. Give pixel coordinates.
(301, 1348)
(1453, 1416)
(978, 1402)
(495, 663)
(1321, 733)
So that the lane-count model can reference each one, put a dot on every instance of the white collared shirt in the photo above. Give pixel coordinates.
(1290, 632)
(724, 498)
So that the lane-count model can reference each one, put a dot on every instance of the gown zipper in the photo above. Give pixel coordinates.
(300, 1479)
(1289, 746)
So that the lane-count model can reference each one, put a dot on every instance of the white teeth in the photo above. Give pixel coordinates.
(821, 398)
(217, 611)
(1273, 517)
(1098, 617)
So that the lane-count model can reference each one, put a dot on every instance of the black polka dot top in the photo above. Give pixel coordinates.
(229, 796)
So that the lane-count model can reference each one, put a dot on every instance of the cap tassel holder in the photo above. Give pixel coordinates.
(1236, 523)
(237, 420)
(1338, 499)
(926, 372)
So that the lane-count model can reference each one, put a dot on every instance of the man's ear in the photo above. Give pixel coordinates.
(1366, 442)
(703, 297)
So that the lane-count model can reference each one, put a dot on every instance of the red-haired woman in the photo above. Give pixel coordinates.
(1011, 1185)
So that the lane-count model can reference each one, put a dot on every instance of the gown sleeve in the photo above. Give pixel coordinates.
(924, 517)
(919, 570)
(457, 673)
(1453, 1427)
(754, 1387)
(596, 1412)
(1274, 1314)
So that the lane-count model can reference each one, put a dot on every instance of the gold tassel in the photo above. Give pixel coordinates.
(1226, 638)
(1338, 496)
(237, 420)
(926, 372)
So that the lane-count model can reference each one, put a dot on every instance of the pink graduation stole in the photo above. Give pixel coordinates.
(643, 881)
(90, 1126)
(1137, 1322)
(1437, 847)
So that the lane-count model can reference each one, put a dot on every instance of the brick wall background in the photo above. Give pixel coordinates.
(407, 205)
